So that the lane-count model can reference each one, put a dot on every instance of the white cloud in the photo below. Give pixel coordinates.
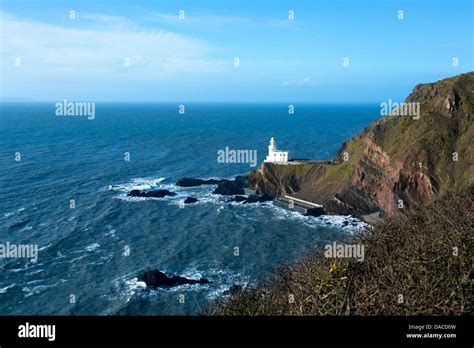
(49, 51)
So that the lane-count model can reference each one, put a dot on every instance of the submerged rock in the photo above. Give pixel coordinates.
(190, 182)
(148, 194)
(156, 278)
(224, 186)
(316, 212)
(190, 200)
(231, 187)
(238, 199)
(233, 290)
(250, 199)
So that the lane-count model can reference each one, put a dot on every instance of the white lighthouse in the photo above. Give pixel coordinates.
(275, 155)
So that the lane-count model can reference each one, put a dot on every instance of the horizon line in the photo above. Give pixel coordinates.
(187, 102)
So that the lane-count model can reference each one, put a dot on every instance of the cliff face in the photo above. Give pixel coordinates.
(396, 163)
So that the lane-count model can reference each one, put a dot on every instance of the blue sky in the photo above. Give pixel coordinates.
(191, 59)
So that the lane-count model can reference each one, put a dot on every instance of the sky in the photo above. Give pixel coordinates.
(143, 51)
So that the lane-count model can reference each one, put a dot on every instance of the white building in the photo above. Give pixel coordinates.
(275, 155)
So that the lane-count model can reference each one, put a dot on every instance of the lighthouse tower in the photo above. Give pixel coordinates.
(275, 155)
(272, 147)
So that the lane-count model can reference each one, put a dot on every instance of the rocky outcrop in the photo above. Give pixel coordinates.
(156, 278)
(231, 187)
(250, 199)
(224, 186)
(396, 163)
(192, 182)
(149, 194)
(190, 200)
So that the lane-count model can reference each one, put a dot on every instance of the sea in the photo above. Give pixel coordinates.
(64, 182)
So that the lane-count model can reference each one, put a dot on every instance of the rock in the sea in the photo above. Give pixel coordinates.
(256, 199)
(316, 212)
(156, 278)
(190, 182)
(251, 199)
(233, 290)
(190, 200)
(148, 194)
(224, 186)
(231, 187)
(238, 199)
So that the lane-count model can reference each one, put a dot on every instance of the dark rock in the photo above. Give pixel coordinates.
(257, 199)
(155, 279)
(148, 194)
(231, 187)
(251, 199)
(233, 290)
(238, 199)
(316, 211)
(134, 193)
(190, 200)
(190, 182)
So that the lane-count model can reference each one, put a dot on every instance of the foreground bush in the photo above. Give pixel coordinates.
(420, 264)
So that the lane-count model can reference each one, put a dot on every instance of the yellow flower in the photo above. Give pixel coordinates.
(333, 267)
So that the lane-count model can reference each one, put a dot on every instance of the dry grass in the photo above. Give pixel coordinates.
(411, 256)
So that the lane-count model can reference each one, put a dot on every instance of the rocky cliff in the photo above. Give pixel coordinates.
(398, 162)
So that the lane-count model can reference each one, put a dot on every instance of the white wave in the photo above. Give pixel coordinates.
(203, 194)
(77, 258)
(45, 247)
(34, 281)
(34, 272)
(5, 289)
(132, 286)
(16, 270)
(92, 247)
(346, 223)
(36, 289)
(125, 288)
(137, 184)
(224, 280)
(6, 215)
(110, 233)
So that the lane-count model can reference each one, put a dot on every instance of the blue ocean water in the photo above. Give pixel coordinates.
(83, 249)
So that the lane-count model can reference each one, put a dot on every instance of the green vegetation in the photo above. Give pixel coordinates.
(418, 264)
